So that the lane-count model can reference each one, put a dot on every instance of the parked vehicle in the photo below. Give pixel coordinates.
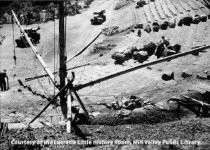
(98, 18)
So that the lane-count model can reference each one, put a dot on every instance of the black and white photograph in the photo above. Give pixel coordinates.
(105, 74)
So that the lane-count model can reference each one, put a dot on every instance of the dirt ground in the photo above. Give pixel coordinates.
(18, 105)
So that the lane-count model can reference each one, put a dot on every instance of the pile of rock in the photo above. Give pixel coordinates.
(129, 103)
(110, 30)
(162, 49)
(140, 3)
(140, 55)
(188, 19)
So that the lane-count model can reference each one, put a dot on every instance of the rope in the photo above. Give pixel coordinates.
(14, 52)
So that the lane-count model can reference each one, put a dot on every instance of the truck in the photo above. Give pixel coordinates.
(32, 34)
(98, 18)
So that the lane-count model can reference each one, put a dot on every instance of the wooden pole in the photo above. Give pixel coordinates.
(63, 70)
(69, 116)
(78, 98)
(47, 70)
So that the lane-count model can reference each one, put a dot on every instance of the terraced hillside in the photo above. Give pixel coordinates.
(21, 103)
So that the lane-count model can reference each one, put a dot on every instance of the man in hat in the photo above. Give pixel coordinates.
(3, 75)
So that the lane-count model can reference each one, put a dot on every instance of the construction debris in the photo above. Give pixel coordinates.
(108, 31)
(194, 101)
(122, 3)
(162, 49)
(129, 104)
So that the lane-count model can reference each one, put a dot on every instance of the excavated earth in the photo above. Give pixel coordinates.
(156, 123)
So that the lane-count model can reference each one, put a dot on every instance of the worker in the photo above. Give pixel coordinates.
(3, 75)
(165, 42)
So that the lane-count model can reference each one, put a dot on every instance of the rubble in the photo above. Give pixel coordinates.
(122, 4)
(128, 104)
(36, 125)
(142, 54)
(108, 31)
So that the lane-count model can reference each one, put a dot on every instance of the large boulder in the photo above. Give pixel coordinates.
(138, 26)
(141, 56)
(172, 23)
(118, 57)
(147, 28)
(180, 22)
(168, 76)
(177, 48)
(187, 20)
(203, 18)
(156, 27)
(133, 49)
(196, 19)
(127, 54)
(141, 3)
(150, 48)
(164, 25)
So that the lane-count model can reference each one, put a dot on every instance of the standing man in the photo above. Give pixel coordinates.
(165, 42)
(3, 84)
